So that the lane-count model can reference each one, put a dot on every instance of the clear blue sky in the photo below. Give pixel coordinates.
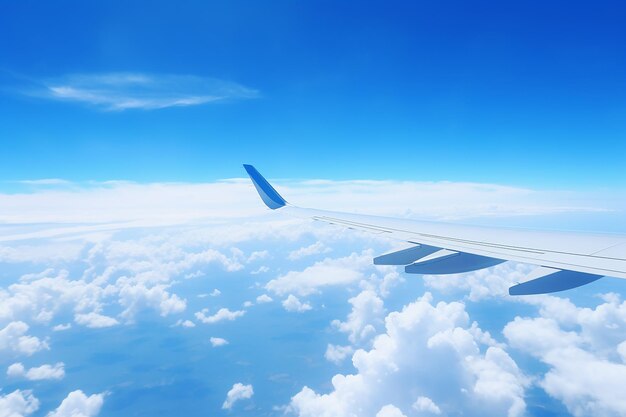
(530, 93)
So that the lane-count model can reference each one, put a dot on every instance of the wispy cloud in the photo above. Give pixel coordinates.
(123, 91)
(45, 182)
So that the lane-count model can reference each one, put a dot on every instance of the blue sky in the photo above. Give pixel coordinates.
(526, 93)
(141, 275)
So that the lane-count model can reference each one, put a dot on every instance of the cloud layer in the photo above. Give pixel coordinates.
(110, 272)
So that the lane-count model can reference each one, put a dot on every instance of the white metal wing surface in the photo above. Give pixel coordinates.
(564, 260)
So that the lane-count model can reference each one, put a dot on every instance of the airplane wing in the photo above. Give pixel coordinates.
(564, 260)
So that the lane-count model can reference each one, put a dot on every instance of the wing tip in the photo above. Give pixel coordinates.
(268, 194)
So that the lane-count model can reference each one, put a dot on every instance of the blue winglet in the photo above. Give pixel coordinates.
(268, 194)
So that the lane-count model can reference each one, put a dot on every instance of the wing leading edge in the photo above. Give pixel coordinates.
(564, 260)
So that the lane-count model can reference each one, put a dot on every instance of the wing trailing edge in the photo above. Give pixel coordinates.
(565, 260)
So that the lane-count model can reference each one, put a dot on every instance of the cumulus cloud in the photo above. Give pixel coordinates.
(18, 404)
(137, 274)
(77, 404)
(390, 410)
(136, 296)
(185, 323)
(337, 354)
(581, 346)
(322, 274)
(218, 341)
(62, 327)
(390, 280)
(366, 315)
(426, 405)
(40, 296)
(482, 284)
(221, 315)
(95, 320)
(313, 249)
(258, 255)
(13, 338)
(124, 91)
(56, 371)
(264, 298)
(405, 362)
(293, 304)
(238, 392)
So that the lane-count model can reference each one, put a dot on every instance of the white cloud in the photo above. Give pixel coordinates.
(77, 404)
(108, 206)
(337, 354)
(482, 284)
(390, 410)
(18, 404)
(136, 296)
(218, 341)
(260, 270)
(56, 371)
(621, 349)
(238, 392)
(313, 249)
(406, 362)
(95, 320)
(222, 314)
(13, 338)
(581, 347)
(62, 327)
(138, 273)
(46, 181)
(293, 304)
(142, 273)
(101, 207)
(426, 405)
(215, 293)
(196, 274)
(390, 280)
(258, 255)
(322, 274)
(123, 91)
(40, 296)
(366, 315)
(264, 298)
(185, 323)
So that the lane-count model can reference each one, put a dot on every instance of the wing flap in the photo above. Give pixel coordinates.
(405, 256)
(544, 280)
(450, 262)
